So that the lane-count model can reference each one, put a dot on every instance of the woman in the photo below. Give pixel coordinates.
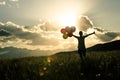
(81, 43)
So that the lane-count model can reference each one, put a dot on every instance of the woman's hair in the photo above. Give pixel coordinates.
(80, 33)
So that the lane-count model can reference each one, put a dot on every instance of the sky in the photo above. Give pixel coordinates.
(36, 24)
(104, 13)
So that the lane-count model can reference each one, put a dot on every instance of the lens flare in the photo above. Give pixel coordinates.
(68, 20)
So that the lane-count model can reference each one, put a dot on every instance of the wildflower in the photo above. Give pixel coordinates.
(81, 74)
(41, 74)
(98, 75)
(48, 60)
(44, 68)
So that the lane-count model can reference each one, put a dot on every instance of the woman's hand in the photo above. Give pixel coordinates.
(94, 32)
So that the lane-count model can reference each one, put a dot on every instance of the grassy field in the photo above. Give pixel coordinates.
(68, 66)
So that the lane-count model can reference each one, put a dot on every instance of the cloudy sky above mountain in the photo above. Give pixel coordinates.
(36, 24)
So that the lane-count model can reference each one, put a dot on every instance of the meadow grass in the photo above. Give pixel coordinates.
(97, 66)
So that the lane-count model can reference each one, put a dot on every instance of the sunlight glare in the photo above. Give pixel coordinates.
(90, 30)
(67, 20)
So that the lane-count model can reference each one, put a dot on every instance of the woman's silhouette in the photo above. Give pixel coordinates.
(81, 44)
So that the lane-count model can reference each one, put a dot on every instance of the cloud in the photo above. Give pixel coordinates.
(106, 36)
(47, 26)
(13, 3)
(4, 33)
(84, 23)
(14, 0)
(34, 36)
(99, 29)
(2, 2)
(10, 3)
(46, 36)
(1, 24)
(102, 36)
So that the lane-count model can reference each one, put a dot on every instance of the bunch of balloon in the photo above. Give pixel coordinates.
(68, 31)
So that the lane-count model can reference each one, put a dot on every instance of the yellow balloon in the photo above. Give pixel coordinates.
(65, 36)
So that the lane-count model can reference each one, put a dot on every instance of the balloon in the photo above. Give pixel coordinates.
(65, 36)
(73, 28)
(70, 34)
(63, 31)
(68, 31)
(67, 28)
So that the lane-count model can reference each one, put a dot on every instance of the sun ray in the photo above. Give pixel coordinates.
(68, 19)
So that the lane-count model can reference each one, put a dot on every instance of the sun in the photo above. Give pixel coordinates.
(68, 19)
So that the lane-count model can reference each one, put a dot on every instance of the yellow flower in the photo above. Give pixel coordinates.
(44, 68)
(41, 74)
(48, 60)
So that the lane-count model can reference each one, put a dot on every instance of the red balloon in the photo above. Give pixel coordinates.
(63, 31)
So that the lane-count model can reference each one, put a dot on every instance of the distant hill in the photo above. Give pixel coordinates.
(114, 45)
(12, 52)
(110, 46)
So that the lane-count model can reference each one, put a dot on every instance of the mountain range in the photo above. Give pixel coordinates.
(12, 52)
